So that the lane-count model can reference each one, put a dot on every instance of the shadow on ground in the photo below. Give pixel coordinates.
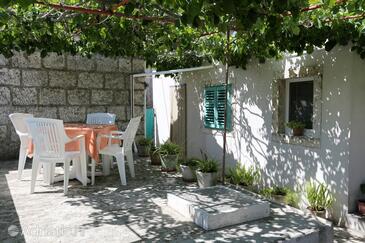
(113, 213)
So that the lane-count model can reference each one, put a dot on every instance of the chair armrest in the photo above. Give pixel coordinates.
(78, 137)
(109, 136)
(117, 132)
(23, 134)
(81, 139)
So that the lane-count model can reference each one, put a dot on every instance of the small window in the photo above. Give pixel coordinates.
(214, 102)
(299, 102)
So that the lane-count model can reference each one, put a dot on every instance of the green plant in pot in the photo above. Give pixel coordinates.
(361, 202)
(281, 195)
(297, 127)
(169, 154)
(144, 147)
(292, 199)
(319, 198)
(207, 173)
(246, 177)
(187, 168)
(154, 155)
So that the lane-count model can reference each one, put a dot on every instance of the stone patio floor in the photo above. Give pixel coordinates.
(109, 212)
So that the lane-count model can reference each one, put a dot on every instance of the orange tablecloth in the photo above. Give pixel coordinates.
(91, 132)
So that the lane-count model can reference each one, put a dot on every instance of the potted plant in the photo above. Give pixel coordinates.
(361, 202)
(188, 168)
(292, 199)
(319, 198)
(279, 194)
(246, 177)
(144, 147)
(207, 173)
(169, 154)
(297, 127)
(154, 155)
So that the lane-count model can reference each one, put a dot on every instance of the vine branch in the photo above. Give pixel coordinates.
(107, 13)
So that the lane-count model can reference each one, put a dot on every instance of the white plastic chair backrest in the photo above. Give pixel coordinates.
(18, 120)
(48, 136)
(100, 118)
(130, 132)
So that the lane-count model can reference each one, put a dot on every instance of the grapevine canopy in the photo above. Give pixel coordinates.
(181, 33)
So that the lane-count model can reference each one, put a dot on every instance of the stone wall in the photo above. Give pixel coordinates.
(65, 87)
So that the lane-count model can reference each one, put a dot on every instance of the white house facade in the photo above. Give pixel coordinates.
(331, 150)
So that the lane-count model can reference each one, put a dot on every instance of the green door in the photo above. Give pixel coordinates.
(150, 123)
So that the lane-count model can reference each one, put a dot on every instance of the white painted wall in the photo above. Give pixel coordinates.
(339, 160)
(283, 164)
(357, 145)
(162, 107)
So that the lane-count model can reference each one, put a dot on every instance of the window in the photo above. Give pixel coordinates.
(300, 102)
(214, 102)
(297, 96)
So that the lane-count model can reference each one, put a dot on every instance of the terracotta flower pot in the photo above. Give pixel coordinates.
(361, 206)
(155, 158)
(298, 131)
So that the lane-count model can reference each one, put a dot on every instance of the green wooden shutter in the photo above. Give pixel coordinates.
(214, 97)
(209, 105)
(221, 97)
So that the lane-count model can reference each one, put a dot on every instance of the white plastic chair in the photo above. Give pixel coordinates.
(100, 118)
(126, 150)
(49, 139)
(18, 120)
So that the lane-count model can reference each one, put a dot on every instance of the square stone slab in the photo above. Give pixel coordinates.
(218, 206)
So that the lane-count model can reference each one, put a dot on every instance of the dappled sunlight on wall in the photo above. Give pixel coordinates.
(251, 141)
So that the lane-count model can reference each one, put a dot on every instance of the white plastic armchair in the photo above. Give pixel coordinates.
(49, 140)
(101, 118)
(119, 152)
(18, 121)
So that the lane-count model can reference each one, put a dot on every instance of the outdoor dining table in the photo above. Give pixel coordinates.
(91, 133)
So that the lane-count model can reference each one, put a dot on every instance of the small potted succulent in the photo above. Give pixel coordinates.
(169, 154)
(207, 173)
(297, 127)
(188, 168)
(154, 155)
(144, 147)
(319, 198)
(361, 202)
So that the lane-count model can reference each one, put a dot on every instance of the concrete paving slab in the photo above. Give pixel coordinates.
(109, 212)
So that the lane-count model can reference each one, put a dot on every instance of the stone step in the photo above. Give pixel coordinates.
(218, 206)
(356, 223)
